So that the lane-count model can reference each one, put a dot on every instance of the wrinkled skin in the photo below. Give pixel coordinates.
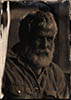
(41, 49)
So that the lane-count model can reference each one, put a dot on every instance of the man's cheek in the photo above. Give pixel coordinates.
(51, 45)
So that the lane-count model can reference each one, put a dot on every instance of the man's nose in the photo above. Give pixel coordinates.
(45, 43)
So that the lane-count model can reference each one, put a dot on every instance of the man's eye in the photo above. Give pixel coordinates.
(49, 38)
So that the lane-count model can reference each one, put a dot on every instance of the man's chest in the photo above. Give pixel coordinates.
(24, 84)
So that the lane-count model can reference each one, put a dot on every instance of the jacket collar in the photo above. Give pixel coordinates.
(16, 51)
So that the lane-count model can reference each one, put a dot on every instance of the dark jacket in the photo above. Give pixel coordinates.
(20, 82)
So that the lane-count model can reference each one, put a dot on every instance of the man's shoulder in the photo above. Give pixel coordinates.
(10, 53)
(56, 68)
(60, 80)
(14, 51)
(57, 72)
(12, 60)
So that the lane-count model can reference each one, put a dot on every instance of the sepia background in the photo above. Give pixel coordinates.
(62, 48)
(62, 55)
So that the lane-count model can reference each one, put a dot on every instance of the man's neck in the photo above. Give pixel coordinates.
(37, 71)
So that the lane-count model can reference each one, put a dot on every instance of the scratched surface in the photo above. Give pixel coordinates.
(61, 56)
(13, 38)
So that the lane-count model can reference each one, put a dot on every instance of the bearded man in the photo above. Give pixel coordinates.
(29, 70)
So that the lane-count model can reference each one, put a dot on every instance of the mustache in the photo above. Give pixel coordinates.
(44, 52)
(38, 51)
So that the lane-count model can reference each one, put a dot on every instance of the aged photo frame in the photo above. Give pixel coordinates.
(25, 16)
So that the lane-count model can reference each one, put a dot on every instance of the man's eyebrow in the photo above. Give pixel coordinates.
(48, 36)
(47, 29)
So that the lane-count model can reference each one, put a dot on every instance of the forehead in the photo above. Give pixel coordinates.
(46, 33)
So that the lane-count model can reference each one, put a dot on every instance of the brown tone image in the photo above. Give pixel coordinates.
(37, 61)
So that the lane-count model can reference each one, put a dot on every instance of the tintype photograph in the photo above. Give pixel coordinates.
(35, 49)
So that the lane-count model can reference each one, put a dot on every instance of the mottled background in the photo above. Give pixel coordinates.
(62, 55)
(62, 50)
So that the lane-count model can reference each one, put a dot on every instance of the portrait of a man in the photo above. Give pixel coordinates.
(30, 72)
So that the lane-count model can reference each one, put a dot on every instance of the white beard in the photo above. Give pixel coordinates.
(42, 59)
